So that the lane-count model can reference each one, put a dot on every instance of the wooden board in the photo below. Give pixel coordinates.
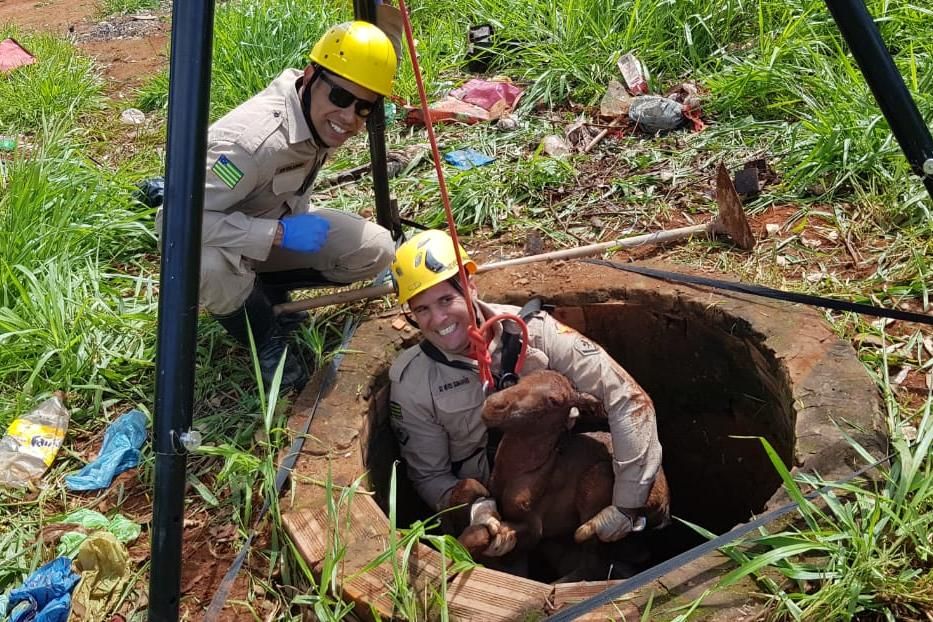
(569, 593)
(480, 595)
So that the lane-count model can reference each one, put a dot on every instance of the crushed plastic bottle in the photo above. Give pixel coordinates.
(32, 441)
(7, 143)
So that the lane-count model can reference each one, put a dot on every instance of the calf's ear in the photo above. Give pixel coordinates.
(588, 405)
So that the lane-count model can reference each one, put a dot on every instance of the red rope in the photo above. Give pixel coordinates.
(487, 328)
(477, 336)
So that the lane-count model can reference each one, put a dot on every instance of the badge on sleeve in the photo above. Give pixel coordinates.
(584, 347)
(395, 421)
(227, 171)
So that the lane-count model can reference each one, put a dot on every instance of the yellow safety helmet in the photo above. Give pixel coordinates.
(360, 52)
(424, 261)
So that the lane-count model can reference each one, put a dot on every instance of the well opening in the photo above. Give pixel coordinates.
(711, 378)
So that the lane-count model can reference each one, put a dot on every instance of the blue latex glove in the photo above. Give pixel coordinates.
(119, 452)
(305, 233)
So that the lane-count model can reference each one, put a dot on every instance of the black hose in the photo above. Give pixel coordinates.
(188, 102)
(887, 85)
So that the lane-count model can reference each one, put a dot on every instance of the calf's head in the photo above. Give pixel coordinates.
(541, 399)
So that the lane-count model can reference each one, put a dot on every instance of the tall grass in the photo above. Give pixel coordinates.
(864, 550)
(58, 88)
(774, 61)
(70, 316)
(254, 41)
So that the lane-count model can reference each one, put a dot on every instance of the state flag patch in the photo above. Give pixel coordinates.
(227, 171)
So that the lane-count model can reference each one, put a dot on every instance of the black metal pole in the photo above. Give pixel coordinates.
(188, 102)
(887, 85)
(386, 211)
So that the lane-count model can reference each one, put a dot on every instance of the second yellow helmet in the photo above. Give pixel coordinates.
(425, 260)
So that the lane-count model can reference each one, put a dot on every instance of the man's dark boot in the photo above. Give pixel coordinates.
(277, 286)
(150, 192)
(270, 340)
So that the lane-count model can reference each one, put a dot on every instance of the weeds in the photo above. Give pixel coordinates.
(78, 277)
(125, 7)
(36, 97)
(418, 602)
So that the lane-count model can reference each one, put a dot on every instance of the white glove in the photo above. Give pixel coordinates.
(484, 512)
(609, 525)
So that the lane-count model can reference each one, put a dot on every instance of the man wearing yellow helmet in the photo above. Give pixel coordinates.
(437, 397)
(261, 236)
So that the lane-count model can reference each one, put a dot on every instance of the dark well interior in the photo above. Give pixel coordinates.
(711, 379)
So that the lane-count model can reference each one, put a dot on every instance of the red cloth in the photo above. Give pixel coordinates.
(487, 94)
(13, 55)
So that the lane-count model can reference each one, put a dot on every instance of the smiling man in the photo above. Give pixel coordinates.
(437, 396)
(261, 236)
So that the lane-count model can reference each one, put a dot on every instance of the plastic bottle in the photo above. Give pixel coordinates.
(32, 441)
(7, 143)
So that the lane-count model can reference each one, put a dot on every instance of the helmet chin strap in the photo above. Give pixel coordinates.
(306, 107)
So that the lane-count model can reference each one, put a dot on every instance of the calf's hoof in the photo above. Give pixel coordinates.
(475, 539)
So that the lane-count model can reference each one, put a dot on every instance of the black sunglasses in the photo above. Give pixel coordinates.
(342, 98)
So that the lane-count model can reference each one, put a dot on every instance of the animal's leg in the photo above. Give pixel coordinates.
(475, 539)
(658, 505)
(594, 491)
(463, 494)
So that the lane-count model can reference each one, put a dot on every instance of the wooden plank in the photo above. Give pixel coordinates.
(569, 593)
(482, 595)
(489, 596)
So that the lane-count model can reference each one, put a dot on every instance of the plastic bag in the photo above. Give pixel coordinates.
(655, 114)
(120, 526)
(31, 442)
(105, 569)
(45, 595)
(119, 452)
(465, 159)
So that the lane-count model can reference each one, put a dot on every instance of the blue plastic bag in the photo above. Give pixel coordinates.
(467, 158)
(45, 595)
(119, 452)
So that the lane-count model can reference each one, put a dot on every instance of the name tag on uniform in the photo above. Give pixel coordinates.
(290, 167)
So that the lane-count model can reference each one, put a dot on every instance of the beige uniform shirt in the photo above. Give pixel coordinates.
(436, 410)
(261, 164)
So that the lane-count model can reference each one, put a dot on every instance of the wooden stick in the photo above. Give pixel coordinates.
(377, 291)
(602, 134)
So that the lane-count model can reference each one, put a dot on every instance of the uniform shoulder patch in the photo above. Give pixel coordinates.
(227, 171)
(585, 347)
(401, 363)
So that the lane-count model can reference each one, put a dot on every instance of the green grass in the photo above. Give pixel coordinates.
(75, 307)
(107, 8)
(774, 61)
(78, 263)
(863, 551)
(56, 90)
(254, 41)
